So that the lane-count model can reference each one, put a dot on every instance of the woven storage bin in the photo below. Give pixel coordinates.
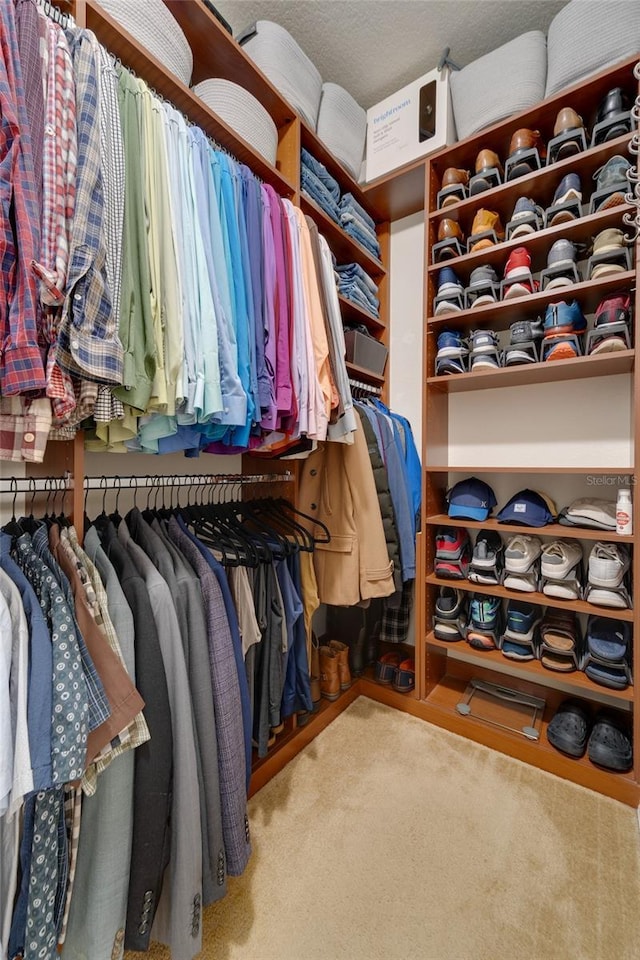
(499, 84)
(589, 35)
(288, 67)
(342, 126)
(155, 28)
(243, 113)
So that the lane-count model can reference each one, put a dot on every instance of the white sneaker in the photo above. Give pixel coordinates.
(604, 597)
(608, 563)
(522, 550)
(559, 558)
(569, 588)
(526, 582)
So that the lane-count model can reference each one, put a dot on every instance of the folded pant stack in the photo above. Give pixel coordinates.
(358, 224)
(319, 185)
(357, 286)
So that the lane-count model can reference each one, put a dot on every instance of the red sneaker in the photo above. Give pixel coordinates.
(518, 264)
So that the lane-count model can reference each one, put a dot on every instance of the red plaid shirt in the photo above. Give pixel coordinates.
(21, 367)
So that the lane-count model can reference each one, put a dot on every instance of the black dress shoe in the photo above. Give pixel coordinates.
(615, 102)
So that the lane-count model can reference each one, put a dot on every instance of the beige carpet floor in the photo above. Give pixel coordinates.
(390, 839)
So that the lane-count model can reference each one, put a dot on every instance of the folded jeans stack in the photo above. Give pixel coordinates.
(358, 224)
(356, 285)
(319, 185)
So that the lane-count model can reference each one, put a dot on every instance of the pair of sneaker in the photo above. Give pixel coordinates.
(522, 562)
(564, 325)
(520, 637)
(561, 569)
(612, 325)
(453, 553)
(459, 355)
(606, 739)
(450, 615)
(608, 575)
(484, 283)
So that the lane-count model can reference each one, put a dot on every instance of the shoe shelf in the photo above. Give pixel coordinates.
(345, 248)
(440, 708)
(539, 599)
(551, 530)
(603, 365)
(539, 185)
(588, 293)
(133, 55)
(574, 682)
(352, 313)
(538, 244)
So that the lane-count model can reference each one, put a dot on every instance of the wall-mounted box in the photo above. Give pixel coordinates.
(365, 352)
(409, 124)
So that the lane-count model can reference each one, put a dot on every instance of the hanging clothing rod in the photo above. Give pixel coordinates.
(15, 485)
(360, 385)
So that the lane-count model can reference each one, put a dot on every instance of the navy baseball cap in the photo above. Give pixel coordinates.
(471, 499)
(527, 507)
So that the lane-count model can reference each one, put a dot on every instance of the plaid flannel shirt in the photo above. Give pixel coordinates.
(58, 202)
(24, 428)
(21, 367)
(88, 343)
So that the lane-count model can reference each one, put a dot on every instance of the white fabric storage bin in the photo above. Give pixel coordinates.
(342, 126)
(288, 67)
(503, 82)
(243, 113)
(589, 35)
(156, 29)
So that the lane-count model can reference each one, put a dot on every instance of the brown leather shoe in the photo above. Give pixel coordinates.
(487, 159)
(525, 139)
(486, 220)
(341, 651)
(453, 176)
(566, 120)
(449, 230)
(329, 677)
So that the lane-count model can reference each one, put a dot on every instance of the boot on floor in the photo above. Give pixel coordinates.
(341, 651)
(329, 677)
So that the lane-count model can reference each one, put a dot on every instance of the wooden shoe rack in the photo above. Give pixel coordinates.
(444, 669)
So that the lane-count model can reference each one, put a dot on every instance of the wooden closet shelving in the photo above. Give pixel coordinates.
(445, 668)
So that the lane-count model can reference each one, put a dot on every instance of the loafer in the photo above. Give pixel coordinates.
(526, 139)
(454, 176)
(566, 120)
(615, 104)
(568, 730)
(610, 744)
(449, 230)
(485, 161)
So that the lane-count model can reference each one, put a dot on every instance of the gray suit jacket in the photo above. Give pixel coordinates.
(226, 699)
(178, 917)
(99, 903)
(190, 597)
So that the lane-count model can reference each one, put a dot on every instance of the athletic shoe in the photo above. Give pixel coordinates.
(450, 292)
(563, 318)
(481, 279)
(615, 308)
(608, 241)
(520, 288)
(617, 598)
(518, 265)
(525, 336)
(522, 621)
(521, 552)
(525, 208)
(484, 349)
(450, 616)
(452, 353)
(568, 189)
(562, 257)
(612, 325)
(608, 563)
(612, 176)
(453, 553)
(485, 621)
(487, 561)
(559, 558)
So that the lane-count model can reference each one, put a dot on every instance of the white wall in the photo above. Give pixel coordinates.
(405, 346)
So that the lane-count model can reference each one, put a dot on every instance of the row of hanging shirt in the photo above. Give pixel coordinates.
(181, 303)
(140, 814)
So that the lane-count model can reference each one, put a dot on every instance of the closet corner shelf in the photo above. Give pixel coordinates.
(532, 670)
(537, 598)
(343, 246)
(553, 530)
(133, 55)
(588, 294)
(312, 142)
(538, 243)
(581, 368)
(352, 313)
(399, 193)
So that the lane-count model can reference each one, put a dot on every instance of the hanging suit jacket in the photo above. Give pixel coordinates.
(153, 778)
(337, 486)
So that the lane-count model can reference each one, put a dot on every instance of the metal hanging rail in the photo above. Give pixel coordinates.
(16, 485)
(368, 387)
